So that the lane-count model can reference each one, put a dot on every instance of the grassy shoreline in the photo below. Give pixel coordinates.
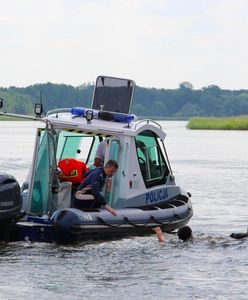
(6, 118)
(230, 123)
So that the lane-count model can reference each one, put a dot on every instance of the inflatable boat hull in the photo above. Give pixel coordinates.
(71, 225)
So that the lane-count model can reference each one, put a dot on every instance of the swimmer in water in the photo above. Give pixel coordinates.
(239, 235)
(184, 233)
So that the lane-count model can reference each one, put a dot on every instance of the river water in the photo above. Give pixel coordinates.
(212, 165)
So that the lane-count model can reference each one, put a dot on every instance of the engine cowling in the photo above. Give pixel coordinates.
(10, 197)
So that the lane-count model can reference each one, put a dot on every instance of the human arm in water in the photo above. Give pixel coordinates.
(159, 234)
(239, 235)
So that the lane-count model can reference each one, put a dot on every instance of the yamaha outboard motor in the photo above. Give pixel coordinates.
(10, 204)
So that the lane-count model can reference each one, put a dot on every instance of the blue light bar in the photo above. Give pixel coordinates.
(104, 115)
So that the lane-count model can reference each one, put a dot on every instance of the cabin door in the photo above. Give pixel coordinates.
(151, 159)
(111, 186)
(43, 171)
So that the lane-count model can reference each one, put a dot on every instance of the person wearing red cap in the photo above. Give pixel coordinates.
(72, 170)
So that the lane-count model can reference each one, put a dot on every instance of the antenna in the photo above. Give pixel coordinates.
(40, 97)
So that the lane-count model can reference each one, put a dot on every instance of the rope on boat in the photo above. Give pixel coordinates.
(133, 224)
(152, 220)
(100, 220)
(160, 223)
(169, 221)
(182, 217)
(126, 220)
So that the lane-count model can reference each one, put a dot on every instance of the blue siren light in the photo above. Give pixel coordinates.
(78, 111)
(103, 115)
(123, 118)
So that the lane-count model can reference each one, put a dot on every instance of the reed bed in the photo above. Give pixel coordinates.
(231, 123)
(6, 118)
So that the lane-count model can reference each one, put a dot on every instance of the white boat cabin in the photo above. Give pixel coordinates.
(144, 177)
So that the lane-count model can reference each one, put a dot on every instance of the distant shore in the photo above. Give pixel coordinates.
(6, 118)
(207, 123)
(230, 123)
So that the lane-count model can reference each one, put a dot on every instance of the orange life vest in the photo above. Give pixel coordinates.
(72, 170)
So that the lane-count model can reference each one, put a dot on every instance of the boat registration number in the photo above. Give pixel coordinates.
(156, 196)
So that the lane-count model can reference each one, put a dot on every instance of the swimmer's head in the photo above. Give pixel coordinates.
(184, 233)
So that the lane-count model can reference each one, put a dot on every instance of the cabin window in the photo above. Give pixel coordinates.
(77, 145)
(114, 149)
(73, 145)
(151, 159)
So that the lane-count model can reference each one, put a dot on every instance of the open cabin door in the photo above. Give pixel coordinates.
(43, 172)
(113, 94)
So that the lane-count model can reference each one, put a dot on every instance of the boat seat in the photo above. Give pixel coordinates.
(64, 194)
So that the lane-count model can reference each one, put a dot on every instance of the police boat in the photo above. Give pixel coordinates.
(143, 191)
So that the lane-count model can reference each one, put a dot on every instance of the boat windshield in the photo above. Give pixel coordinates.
(151, 159)
(77, 145)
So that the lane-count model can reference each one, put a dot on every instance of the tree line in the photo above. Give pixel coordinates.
(183, 102)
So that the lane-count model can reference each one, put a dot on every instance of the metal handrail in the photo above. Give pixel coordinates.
(58, 110)
(147, 121)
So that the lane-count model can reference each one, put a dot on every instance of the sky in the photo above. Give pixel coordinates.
(157, 43)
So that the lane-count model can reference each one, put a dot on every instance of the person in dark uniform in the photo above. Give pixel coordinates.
(89, 192)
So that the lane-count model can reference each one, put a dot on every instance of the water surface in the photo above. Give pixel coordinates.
(212, 165)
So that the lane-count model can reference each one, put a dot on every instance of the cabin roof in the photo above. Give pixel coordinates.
(67, 121)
